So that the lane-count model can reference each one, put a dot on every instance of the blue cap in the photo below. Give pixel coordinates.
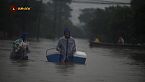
(66, 30)
(23, 36)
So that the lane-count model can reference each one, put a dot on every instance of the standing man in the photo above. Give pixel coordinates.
(66, 46)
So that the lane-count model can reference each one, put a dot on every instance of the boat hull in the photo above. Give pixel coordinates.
(20, 55)
(113, 45)
(57, 58)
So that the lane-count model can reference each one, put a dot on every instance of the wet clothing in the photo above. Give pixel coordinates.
(66, 47)
(121, 40)
(16, 44)
(20, 49)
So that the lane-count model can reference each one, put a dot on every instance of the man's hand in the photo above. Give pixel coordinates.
(71, 53)
(62, 52)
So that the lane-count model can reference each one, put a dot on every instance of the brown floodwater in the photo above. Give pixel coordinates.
(102, 65)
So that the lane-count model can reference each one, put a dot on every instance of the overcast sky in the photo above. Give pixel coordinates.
(78, 6)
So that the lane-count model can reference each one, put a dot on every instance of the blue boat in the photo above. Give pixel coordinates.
(79, 58)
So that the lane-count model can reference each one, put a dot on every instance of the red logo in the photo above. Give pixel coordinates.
(13, 8)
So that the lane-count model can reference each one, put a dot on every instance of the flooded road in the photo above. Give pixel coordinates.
(102, 65)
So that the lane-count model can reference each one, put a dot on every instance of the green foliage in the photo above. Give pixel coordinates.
(113, 22)
(138, 7)
(45, 20)
(4, 15)
(109, 23)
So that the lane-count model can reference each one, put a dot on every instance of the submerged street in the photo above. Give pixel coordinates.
(102, 65)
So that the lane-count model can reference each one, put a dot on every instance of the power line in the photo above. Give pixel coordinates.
(101, 2)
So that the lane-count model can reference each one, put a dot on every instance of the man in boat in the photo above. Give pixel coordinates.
(97, 40)
(121, 41)
(20, 48)
(66, 46)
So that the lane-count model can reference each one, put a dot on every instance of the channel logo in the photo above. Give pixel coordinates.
(14, 8)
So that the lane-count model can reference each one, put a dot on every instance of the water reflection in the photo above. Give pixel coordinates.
(140, 57)
(65, 69)
(20, 63)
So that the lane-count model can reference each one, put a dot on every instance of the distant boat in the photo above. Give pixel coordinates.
(113, 45)
(79, 58)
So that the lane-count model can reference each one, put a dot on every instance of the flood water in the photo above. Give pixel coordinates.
(102, 65)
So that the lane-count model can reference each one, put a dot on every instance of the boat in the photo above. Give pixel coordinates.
(20, 51)
(20, 54)
(79, 57)
(115, 45)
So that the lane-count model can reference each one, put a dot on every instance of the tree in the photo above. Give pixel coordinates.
(61, 16)
(138, 7)
(109, 23)
(46, 20)
(4, 18)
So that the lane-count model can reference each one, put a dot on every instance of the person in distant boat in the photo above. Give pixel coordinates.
(66, 46)
(121, 41)
(20, 47)
(97, 40)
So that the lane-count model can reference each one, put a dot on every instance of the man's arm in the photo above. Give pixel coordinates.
(58, 46)
(74, 47)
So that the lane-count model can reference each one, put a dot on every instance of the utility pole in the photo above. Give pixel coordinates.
(39, 20)
(55, 17)
(25, 14)
(60, 17)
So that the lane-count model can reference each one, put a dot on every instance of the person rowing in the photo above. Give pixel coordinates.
(20, 48)
(66, 46)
